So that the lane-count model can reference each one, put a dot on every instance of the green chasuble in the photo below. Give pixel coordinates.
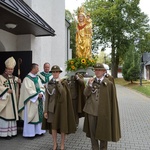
(40, 106)
(45, 77)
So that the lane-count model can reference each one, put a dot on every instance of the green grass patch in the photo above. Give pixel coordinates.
(121, 81)
(144, 88)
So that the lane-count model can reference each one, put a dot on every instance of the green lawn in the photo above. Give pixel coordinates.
(144, 89)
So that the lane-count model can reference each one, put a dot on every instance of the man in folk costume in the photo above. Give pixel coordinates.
(58, 112)
(45, 75)
(9, 85)
(31, 103)
(102, 114)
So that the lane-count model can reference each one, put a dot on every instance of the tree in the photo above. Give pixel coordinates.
(131, 66)
(117, 25)
(103, 58)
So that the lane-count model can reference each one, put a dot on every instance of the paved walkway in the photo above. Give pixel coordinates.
(135, 125)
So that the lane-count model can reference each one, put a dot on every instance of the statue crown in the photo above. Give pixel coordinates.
(81, 10)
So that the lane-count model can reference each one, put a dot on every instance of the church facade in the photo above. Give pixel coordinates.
(45, 34)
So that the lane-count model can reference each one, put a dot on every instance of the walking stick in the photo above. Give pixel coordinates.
(19, 64)
(19, 123)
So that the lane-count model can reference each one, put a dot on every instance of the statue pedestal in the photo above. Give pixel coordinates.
(88, 72)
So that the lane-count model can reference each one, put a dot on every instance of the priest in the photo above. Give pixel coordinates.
(31, 103)
(45, 75)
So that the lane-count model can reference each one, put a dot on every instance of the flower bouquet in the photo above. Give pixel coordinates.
(79, 63)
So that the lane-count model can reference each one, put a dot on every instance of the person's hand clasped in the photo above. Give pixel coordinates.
(40, 96)
(90, 81)
(77, 76)
(9, 91)
(19, 81)
(58, 80)
(45, 115)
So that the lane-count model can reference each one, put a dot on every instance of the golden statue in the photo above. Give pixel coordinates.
(83, 34)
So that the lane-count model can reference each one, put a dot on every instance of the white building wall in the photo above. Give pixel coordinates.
(24, 42)
(41, 46)
(58, 56)
(8, 40)
(69, 51)
(44, 49)
(28, 2)
(50, 49)
(67, 42)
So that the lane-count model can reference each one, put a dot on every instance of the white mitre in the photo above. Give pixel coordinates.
(10, 62)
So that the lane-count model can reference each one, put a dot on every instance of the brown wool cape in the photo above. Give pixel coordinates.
(80, 98)
(63, 117)
(108, 123)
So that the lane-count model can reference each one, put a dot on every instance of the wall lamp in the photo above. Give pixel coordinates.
(11, 25)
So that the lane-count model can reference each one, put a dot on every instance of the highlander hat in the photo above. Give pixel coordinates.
(99, 66)
(55, 68)
(10, 62)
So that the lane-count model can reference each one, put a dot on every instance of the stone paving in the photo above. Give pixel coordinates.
(135, 126)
